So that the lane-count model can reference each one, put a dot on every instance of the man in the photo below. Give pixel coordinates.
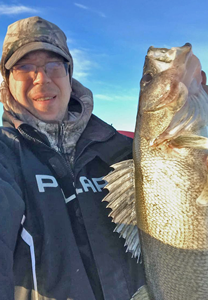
(56, 239)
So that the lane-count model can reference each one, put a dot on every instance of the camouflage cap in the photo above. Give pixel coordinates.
(32, 34)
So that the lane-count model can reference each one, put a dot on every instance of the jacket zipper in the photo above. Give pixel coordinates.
(60, 134)
(60, 149)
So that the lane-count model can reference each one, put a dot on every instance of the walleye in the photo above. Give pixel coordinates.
(163, 191)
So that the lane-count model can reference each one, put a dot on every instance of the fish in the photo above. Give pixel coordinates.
(159, 199)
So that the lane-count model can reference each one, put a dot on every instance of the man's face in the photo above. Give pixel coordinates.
(44, 97)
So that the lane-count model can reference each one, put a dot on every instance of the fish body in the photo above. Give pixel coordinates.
(163, 191)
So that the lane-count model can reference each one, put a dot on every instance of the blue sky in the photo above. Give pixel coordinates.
(109, 40)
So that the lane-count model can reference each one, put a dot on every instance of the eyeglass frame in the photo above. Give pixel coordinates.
(65, 64)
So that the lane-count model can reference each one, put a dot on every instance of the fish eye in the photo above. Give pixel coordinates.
(146, 78)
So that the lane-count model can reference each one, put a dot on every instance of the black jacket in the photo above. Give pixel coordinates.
(55, 234)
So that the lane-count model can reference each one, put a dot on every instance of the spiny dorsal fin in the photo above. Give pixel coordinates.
(121, 200)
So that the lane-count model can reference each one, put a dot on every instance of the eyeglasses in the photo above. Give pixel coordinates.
(54, 69)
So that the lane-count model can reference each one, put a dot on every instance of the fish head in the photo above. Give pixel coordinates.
(169, 75)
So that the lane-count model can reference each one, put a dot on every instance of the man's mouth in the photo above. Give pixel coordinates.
(44, 98)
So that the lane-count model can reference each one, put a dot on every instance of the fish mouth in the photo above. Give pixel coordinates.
(168, 55)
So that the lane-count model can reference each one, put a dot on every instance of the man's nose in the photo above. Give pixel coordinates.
(41, 76)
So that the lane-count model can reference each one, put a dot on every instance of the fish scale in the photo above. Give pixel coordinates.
(181, 274)
(175, 203)
(159, 199)
(174, 268)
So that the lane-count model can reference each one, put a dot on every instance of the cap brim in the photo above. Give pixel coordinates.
(22, 51)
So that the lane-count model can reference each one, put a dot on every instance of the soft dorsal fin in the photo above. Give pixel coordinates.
(121, 199)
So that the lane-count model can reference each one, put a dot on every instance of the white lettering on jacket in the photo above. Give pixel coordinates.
(44, 181)
(93, 184)
(87, 183)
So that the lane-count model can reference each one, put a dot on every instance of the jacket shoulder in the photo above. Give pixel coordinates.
(10, 152)
(113, 146)
(9, 135)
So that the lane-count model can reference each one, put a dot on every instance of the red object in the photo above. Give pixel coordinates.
(127, 133)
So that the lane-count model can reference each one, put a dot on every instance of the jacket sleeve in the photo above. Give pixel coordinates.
(11, 213)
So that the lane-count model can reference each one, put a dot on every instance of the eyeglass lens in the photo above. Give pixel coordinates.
(55, 69)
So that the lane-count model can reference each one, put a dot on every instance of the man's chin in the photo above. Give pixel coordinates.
(50, 118)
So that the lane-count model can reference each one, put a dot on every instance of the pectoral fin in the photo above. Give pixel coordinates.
(196, 142)
(141, 294)
(190, 141)
(121, 199)
(202, 200)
